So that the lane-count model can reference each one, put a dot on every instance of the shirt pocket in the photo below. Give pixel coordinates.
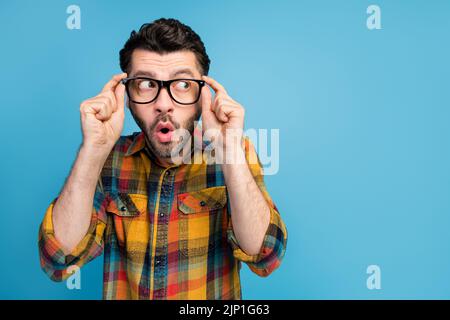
(127, 204)
(199, 212)
(128, 211)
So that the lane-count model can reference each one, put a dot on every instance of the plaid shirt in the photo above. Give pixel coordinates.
(166, 232)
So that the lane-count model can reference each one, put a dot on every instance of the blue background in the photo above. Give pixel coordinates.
(364, 130)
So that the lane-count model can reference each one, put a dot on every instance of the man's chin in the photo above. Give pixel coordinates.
(161, 149)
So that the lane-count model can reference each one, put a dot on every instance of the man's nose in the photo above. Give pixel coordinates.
(164, 102)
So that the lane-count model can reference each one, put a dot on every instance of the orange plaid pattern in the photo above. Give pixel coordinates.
(166, 233)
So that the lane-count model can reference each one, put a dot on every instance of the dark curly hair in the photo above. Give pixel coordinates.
(164, 36)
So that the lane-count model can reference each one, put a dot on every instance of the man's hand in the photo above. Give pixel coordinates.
(222, 113)
(102, 116)
(102, 122)
(249, 210)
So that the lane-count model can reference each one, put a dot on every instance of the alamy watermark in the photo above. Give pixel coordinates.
(373, 21)
(73, 21)
(217, 147)
(374, 280)
(74, 280)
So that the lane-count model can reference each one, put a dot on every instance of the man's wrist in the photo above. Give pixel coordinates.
(233, 154)
(95, 151)
(93, 157)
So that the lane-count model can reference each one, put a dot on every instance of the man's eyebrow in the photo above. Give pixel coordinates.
(150, 74)
(183, 71)
(143, 73)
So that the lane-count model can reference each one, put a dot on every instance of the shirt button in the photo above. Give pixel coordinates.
(157, 261)
(161, 214)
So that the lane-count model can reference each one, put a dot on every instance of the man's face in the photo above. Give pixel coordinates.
(156, 117)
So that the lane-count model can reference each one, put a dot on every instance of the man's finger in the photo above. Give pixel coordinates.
(208, 116)
(221, 113)
(217, 87)
(110, 99)
(206, 99)
(120, 96)
(115, 80)
(98, 109)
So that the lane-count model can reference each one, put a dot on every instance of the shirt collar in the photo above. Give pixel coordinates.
(137, 144)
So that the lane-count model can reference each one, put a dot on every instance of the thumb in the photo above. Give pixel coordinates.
(119, 92)
(206, 103)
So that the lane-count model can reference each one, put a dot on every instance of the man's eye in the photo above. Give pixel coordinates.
(183, 85)
(146, 84)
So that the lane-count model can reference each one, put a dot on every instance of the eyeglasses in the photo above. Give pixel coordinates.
(144, 90)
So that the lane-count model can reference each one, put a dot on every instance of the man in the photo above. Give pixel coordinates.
(168, 229)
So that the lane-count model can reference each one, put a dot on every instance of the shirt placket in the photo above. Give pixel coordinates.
(161, 221)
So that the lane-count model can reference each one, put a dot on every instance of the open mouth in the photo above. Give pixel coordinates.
(164, 131)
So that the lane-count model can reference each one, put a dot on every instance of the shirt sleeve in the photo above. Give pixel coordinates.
(55, 263)
(275, 240)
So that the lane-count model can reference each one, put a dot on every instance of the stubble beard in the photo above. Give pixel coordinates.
(163, 150)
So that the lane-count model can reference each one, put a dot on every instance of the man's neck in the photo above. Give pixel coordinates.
(163, 162)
